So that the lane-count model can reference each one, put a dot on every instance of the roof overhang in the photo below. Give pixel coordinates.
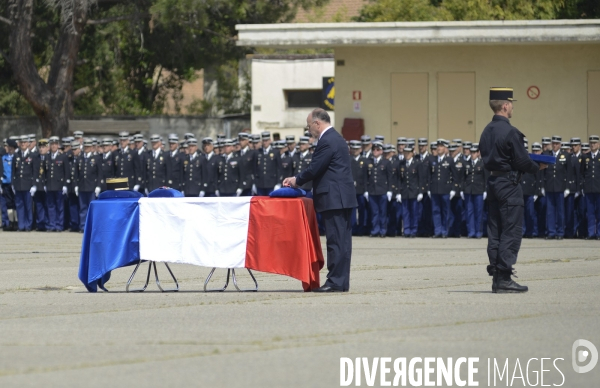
(418, 33)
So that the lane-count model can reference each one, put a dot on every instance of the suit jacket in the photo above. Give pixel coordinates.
(331, 173)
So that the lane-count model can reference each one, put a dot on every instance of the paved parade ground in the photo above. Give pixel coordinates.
(408, 298)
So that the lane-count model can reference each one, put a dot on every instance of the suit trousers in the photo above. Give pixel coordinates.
(425, 228)
(85, 198)
(56, 213)
(540, 210)
(410, 216)
(359, 216)
(581, 225)
(440, 208)
(529, 217)
(378, 206)
(592, 201)
(24, 206)
(41, 210)
(474, 206)
(455, 216)
(570, 216)
(338, 232)
(73, 202)
(505, 223)
(555, 214)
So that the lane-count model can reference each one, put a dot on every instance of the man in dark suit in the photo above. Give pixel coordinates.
(333, 196)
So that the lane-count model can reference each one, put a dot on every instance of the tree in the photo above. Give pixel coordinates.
(135, 50)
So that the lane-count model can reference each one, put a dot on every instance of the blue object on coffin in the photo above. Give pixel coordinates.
(119, 194)
(547, 159)
(165, 192)
(288, 192)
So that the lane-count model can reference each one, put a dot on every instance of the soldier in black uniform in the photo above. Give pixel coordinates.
(210, 168)
(247, 160)
(474, 189)
(365, 141)
(455, 217)
(268, 167)
(57, 175)
(175, 161)
(40, 198)
(410, 184)
(230, 174)
(89, 174)
(193, 168)
(590, 172)
(142, 154)
(359, 174)
(127, 163)
(108, 162)
(556, 189)
(530, 184)
(579, 227)
(301, 161)
(287, 162)
(394, 227)
(379, 177)
(72, 202)
(503, 154)
(425, 224)
(156, 166)
(25, 177)
(442, 188)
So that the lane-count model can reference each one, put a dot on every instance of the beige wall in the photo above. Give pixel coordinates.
(560, 71)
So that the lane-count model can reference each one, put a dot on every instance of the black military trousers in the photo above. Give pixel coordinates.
(338, 232)
(505, 223)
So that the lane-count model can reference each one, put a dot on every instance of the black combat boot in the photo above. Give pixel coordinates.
(505, 285)
(494, 280)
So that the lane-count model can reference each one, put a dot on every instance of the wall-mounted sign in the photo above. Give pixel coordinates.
(533, 92)
(356, 95)
(328, 98)
(357, 106)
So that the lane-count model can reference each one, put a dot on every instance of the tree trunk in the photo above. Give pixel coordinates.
(52, 101)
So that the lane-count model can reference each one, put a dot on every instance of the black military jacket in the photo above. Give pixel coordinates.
(89, 172)
(287, 166)
(247, 165)
(379, 176)
(299, 164)
(175, 169)
(359, 173)
(210, 173)
(107, 167)
(156, 170)
(56, 172)
(127, 166)
(475, 178)
(25, 170)
(192, 173)
(230, 174)
(590, 171)
(442, 175)
(557, 176)
(268, 168)
(410, 177)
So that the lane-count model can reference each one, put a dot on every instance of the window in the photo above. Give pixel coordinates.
(303, 98)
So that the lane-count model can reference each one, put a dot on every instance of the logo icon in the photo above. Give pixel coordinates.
(582, 355)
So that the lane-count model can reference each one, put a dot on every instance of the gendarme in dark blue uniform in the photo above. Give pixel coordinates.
(503, 154)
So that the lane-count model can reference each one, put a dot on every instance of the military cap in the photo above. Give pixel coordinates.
(227, 142)
(220, 136)
(422, 141)
(379, 138)
(452, 147)
(65, 140)
(536, 146)
(594, 138)
(255, 138)
(206, 140)
(411, 140)
(443, 142)
(115, 142)
(185, 144)
(501, 93)
(467, 145)
(80, 134)
(218, 143)
(138, 137)
(525, 140)
(409, 148)
(289, 139)
(106, 141)
(388, 148)
(243, 135)
(312, 146)
(457, 141)
(307, 133)
(475, 147)
(194, 141)
(365, 139)
(117, 183)
(15, 137)
(575, 141)
(123, 135)
(94, 140)
(235, 141)
(43, 142)
(11, 143)
(31, 137)
(155, 138)
(188, 136)
(87, 142)
(546, 140)
(433, 145)
(565, 145)
(556, 139)
(401, 140)
(131, 138)
(52, 139)
(377, 144)
(354, 144)
(24, 138)
(75, 143)
(173, 138)
(305, 139)
(265, 135)
(585, 146)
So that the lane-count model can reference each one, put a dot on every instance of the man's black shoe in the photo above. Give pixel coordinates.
(382, 236)
(549, 238)
(326, 289)
(559, 237)
(505, 284)
(373, 235)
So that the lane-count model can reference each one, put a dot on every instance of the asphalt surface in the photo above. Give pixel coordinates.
(408, 298)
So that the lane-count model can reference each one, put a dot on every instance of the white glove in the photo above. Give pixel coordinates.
(576, 194)
(484, 195)
(254, 190)
(64, 190)
(419, 197)
(32, 190)
(146, 191)
(217, 193)
(14, 191)
(238, 192)
(582, 193)
(399, 198)
(136, 188)
(462, 195)
(277, 187)
(0, 190)
(429, 194)
(202, 194)
(68, 181)
(366, 195)
(452, 194)
(567, 192)
(183, 193)
(389, 196)
(543, 192)
(77, 191)
(97, 191)
(535, 197)
(45, 189)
